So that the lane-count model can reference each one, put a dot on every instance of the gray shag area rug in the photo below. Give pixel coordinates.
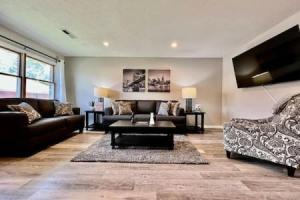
(184, 153)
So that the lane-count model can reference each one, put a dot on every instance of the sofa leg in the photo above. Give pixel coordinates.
(291, 171)
(228, 154)
(81, 130)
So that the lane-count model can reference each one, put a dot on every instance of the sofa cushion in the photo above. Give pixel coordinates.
(24, 107)
(115, 107)
(174, 108)
(141, 117)
(46, 108)
(44, 125)
(62, 109)
(164, 108)
(132, 103)
(125, 108)
(175, 119)
(145, 107)
(73, 121)
(113, 118)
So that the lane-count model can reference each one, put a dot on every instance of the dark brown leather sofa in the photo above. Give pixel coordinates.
(20, 138)
(141, 111)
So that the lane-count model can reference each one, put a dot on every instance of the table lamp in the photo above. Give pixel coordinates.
(189, 93)
(101, 93)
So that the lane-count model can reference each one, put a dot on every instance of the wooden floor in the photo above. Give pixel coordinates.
(49, 174)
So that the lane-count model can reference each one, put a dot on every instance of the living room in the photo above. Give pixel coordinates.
(167, 99)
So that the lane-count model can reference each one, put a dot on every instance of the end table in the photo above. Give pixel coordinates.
(196, 127)
(98, 117)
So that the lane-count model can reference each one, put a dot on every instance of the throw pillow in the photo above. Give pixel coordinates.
(125, 108)
(164, 108)
(23, 107)
(173, 108)
(281, 103)
(115, 107)
(62, 109)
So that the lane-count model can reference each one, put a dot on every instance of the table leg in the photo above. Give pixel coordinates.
(86, 121)
(113, 142)
(171, 141)
(196, 123)
(202, 123)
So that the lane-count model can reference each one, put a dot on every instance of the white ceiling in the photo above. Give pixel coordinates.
(144, 28)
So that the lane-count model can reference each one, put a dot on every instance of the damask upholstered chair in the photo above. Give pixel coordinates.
(275, 139)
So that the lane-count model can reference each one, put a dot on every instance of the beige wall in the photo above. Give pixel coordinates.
(83, 74)
(254, 102)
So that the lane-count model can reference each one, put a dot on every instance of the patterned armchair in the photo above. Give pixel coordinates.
(275, 139)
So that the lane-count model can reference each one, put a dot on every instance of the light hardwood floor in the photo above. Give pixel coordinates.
(49, 174)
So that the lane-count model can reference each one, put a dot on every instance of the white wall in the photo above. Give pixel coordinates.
(254, 102)
(83, 74)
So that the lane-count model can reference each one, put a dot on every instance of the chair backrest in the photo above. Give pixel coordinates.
(290, 113)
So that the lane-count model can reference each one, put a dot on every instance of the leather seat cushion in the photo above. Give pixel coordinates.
(73, 120)
(175, 119)
(112, 118)
(142, 117)
(46, 125)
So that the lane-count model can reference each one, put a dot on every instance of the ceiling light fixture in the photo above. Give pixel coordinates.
(105, 43)
(174, 44)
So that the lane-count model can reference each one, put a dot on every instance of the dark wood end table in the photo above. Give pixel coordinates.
(196, 127)
(97, 125)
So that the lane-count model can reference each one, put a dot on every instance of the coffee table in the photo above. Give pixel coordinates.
(160, 135)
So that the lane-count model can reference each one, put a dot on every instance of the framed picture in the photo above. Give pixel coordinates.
(159, 80)
(134, 80)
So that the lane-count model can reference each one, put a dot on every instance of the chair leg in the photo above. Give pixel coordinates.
(291, 171)
(228, 154)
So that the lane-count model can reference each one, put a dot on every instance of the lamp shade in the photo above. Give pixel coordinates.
(189, 92)
(100, 92)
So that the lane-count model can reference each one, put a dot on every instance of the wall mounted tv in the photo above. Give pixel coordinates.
(274, 61)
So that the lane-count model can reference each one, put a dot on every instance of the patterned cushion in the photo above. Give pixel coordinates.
(173, 108)
(164, 108)
(280, 105)
(31, 113)
(62, 109)
(125, 108)
(115, 107)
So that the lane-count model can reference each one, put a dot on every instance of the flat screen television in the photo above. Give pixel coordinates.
(274, 61)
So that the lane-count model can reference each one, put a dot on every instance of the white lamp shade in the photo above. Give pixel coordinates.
(100, 92)
(189, 92)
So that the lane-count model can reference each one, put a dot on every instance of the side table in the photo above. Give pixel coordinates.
(196, 127)
(98, 117)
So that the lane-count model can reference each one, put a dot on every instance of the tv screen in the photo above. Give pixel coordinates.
(274, 61)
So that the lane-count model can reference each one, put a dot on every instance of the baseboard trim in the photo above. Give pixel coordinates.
(214, 126)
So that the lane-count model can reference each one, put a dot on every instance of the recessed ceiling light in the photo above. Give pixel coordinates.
(105, 43)
(174, 44)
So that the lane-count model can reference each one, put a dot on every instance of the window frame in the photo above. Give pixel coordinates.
(35, 79)
(19, 75)
(22, 73)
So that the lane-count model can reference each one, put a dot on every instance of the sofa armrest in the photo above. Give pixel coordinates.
(108, 111)
(76, 110)
(13, 125)
(13, 119)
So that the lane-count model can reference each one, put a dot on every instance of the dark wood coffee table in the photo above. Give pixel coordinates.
(160, 135)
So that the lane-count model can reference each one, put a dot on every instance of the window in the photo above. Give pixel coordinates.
(10, 80)
(39, 79)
